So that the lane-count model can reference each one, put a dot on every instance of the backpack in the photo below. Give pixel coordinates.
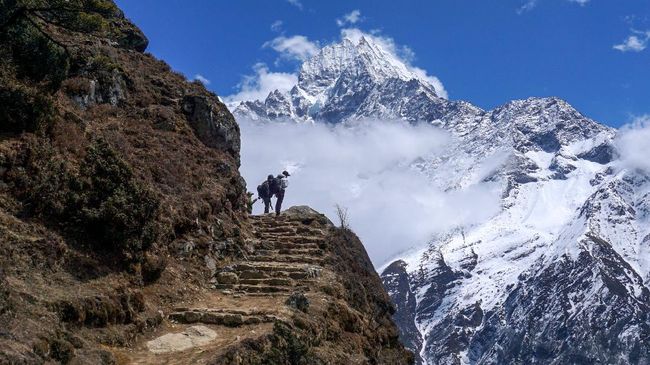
(274, 186)
(263, 190)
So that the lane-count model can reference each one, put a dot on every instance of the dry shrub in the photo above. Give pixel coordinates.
(78, 86)
(102, 204)
(342, 215)
(24, 109)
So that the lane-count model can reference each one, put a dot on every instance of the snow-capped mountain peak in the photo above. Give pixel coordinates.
(348, 80)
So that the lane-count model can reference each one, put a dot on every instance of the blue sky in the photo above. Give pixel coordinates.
(590, 52)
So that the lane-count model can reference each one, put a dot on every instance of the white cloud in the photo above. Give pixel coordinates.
(296, 47)
(350, 18)
(366, 168)
(202, 79)
(633, 144)
(529, 5)
(434, 81)
(259, 85)
(296, 3)
(276, 26)
(634, 43)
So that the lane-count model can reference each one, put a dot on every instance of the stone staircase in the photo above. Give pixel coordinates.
(288, 254)
(250, 294)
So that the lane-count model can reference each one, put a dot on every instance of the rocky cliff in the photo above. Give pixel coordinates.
(124, 232)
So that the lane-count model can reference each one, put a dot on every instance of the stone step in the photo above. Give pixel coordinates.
(266, 251)
(258, 275)
(254, 288)
(289, 251)
(306, 230)
(247, 288)
(277, 281)
(301, 251)
(228, 319)
(284, 229)
(289, 246)
(291, 239)
(271, 218)
(280, 229)
(287, 258)
(243, 312)
(271, 295)
(258, 266)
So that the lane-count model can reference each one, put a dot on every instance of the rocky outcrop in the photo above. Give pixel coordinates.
(124, 232)
(338, 311)
(212, 123)
(396, 281)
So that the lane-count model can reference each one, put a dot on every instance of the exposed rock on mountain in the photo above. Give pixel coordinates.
(124, 232)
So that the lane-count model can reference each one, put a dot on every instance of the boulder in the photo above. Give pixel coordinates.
(172, 342)
(233, 320)
(133, 38)
(298, 301)
(212, 123)
(227, 278)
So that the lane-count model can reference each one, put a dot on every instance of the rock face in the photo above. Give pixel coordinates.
(396, 281)
(213, 124)
(122, 213)
(558, 275)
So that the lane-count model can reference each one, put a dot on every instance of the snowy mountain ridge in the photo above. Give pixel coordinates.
(558, 275)
(333, 83)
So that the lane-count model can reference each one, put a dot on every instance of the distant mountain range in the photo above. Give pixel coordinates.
(558, 276)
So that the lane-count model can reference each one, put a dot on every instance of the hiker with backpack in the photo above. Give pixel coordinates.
(265, 193)
(273, 186)
(282, 183)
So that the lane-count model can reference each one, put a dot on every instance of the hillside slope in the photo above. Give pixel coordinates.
(121, 201)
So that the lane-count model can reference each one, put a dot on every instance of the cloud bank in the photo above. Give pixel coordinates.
(261, 83)
(633, 144)
(365, 168)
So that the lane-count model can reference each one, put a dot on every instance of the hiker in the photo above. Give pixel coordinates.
(281, 183)
(265, 192)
